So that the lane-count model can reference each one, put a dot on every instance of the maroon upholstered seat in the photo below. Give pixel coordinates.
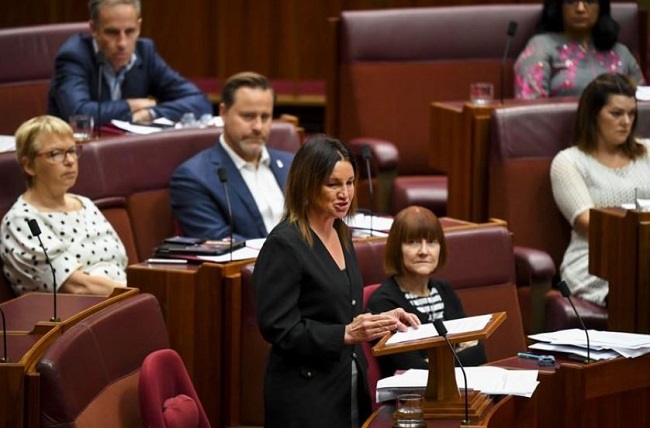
(90, 373)
(167, 396)
(524, 141)
(389, 65)
(26, 66)
(374, 372)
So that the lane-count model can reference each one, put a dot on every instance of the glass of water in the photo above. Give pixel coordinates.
(82, 127)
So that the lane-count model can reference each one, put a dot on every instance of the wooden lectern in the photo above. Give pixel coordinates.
(442, 399)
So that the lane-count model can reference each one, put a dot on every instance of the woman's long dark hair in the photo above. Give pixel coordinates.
(605, 31)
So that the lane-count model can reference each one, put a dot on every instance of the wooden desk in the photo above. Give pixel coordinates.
(29, 334)
(619, 251)
(201, 305)
(603, 394)
(459, 136)
(504, 414)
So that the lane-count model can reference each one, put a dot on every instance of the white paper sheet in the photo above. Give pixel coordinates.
(7, 143)
(461, 325)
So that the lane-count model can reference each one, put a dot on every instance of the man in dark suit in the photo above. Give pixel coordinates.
(137, 84)
(256, 174)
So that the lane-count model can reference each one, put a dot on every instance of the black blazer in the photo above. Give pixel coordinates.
(304, 302)
(389, 296)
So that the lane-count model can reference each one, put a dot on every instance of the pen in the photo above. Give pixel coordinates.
(166, 261)
(527, 355)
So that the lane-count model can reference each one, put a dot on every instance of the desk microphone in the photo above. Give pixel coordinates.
(4, 359)
(512, 29)
(365, 150)
(223, 177)
(101, 60)
(442, 331)
(36, 231)
(564, 289)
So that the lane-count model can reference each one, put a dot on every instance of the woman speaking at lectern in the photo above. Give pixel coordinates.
(308, 292)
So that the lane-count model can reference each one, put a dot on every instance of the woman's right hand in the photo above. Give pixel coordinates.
(368, 327)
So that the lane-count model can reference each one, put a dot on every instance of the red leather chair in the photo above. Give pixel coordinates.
(26, 66)
(166, 393)
(89, 375)
(374, 372)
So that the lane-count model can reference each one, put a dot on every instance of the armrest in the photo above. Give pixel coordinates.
(384, 153)
(532, 265)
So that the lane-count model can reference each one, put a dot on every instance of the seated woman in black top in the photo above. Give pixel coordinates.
(415, 249)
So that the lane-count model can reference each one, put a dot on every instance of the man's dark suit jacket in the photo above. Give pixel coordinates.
(73, 89)
(198, 197)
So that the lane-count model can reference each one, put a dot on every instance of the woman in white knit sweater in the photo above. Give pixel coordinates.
(602, 168)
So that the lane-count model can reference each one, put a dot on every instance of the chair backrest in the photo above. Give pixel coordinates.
(26, 65)
(481, 269)
(90, 373)
(374, 372)
(523, 143)
(393, 63)
(167, 396)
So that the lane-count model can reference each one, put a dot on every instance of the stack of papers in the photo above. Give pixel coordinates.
(250, 251)
(371, 225)
(487, 379)
(604, 345)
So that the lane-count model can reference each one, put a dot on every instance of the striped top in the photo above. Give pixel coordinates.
(431, 305)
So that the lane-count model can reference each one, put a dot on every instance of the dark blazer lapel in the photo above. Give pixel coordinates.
(237, 187)
(280, 169)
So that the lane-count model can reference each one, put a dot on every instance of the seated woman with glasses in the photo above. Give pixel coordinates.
(86, 254)
(576, 42)
(415, 249)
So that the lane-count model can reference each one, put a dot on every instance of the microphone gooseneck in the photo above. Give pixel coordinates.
(222, 172)
(36, 231)
(510, 33)
(101, 60)
(365, 150)
(5, 358)
(442, 331)
(564, 289)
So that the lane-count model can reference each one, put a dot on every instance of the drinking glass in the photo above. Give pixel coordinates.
(481, 93)
(82, 127)
(409, 413)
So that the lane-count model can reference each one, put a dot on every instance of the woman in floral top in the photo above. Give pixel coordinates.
(577, 41)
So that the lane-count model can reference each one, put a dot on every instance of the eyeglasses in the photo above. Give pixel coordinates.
(58, 156)
(587, 3)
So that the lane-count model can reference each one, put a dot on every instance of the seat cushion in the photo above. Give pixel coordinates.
(180, 412)
(429, 191)
(560, 314)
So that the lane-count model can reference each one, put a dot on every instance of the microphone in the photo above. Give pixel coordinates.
(365, 150)
(5, 358)
(564, 289)
(101, 60)
(442, 331)
(223, 177)
(36, 231)
(512, 29)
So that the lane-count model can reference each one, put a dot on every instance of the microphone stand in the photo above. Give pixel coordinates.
(564, 289)
(442, 331)
(512, 29)
(365, 149)
(5, 358)
(223, 177)
(100, 75)
(36, 231)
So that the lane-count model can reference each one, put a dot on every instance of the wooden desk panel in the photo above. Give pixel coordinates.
(198, 310)
(28, 337)
(508, 412)
(619, 251)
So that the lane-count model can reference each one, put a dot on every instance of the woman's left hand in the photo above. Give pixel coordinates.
(405, 319)
(367, 327)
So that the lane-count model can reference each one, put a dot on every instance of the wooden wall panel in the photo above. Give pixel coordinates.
(283, 39)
